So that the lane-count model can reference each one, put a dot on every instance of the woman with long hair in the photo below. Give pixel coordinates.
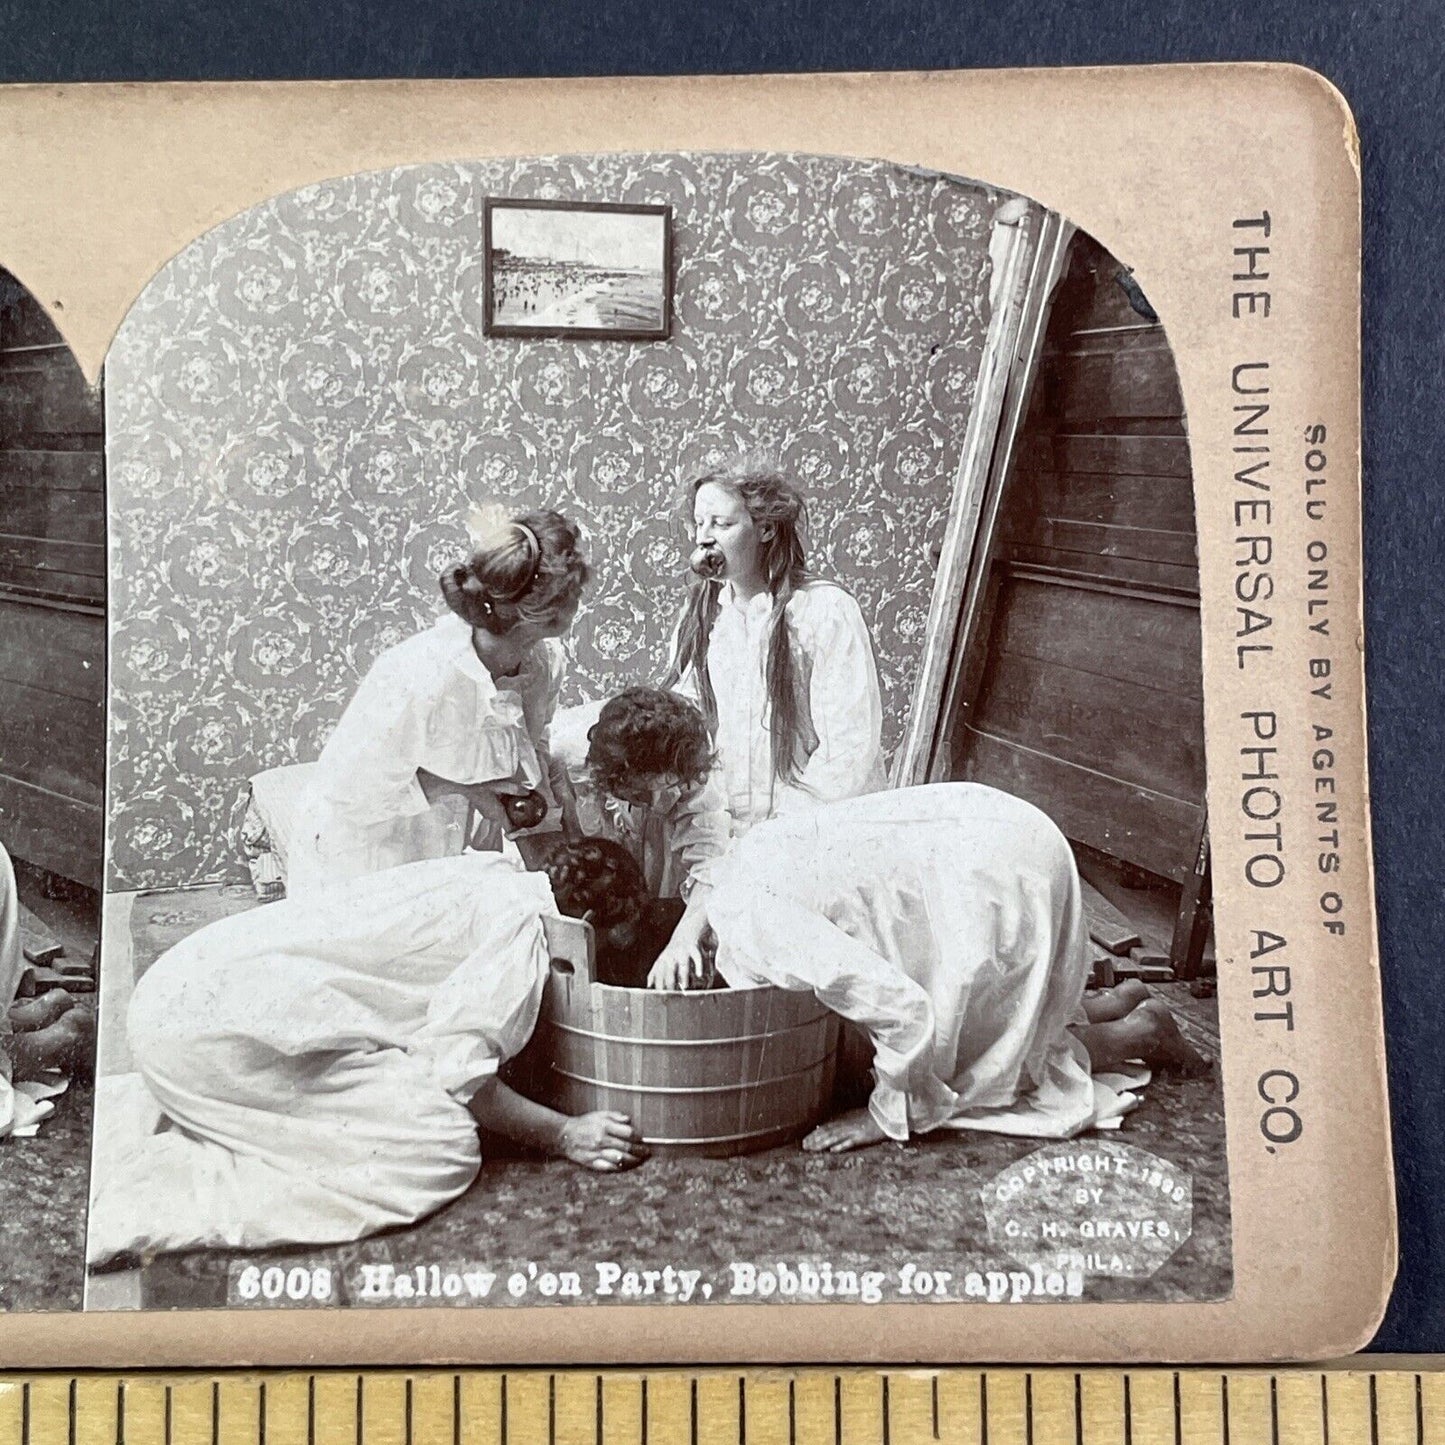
(778, 659)
(457, 714)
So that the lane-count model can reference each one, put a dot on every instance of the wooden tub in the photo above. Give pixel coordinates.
(726, 1071)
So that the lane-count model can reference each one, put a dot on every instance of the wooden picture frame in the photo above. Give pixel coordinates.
(577, 270)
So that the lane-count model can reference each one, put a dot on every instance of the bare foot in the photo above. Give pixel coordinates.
(856, 1129)
(68, 1044)
(1162, 1045)
(29, 1014)
(1107, 1004)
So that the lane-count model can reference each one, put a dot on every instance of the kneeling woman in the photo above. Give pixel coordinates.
(946, 922)
(316, 1070)
(466, 702)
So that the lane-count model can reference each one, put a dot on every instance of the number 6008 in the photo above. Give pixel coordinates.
(274, 1283)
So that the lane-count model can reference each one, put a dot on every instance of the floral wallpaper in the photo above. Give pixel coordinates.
(301, 409)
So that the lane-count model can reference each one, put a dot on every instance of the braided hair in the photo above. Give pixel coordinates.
(780, 515)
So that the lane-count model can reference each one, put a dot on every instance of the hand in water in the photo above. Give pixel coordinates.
(603, 1141)
(678, 966)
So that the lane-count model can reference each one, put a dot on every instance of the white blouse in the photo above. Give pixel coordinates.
(843, 720)
(426, 703)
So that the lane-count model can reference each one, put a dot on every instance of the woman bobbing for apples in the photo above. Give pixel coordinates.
(778, 659)
(316, 1070)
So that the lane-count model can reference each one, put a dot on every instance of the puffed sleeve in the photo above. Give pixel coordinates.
(500, 749)
(367, 770)
(698, 831)
(844, 702)
(592, 814)
(485, 1011)
(514, 743)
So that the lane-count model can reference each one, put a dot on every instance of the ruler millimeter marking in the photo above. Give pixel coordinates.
(729, 1407)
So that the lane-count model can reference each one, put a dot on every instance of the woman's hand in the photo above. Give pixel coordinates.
(603, 1141)
(481, 797)
(686, 961)
(679, 966)
(487, 820)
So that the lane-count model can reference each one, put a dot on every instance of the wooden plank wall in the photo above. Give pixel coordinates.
(52, 597)
(1084, 690)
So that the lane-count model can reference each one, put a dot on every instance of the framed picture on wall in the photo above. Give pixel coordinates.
(579, 270)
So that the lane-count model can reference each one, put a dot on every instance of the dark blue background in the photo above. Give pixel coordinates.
(1386, 58)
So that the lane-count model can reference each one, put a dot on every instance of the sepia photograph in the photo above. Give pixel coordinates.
(578, 270)
(711, 818)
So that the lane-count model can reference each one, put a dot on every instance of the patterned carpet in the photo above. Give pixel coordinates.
(43, 1185)
(921, 1202)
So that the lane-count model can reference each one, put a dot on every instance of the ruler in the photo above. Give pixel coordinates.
(723, 1407)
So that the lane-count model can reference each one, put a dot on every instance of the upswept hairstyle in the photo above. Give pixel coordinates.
(648, 730)
(780, 516)
(526, 568)
(599, 880)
